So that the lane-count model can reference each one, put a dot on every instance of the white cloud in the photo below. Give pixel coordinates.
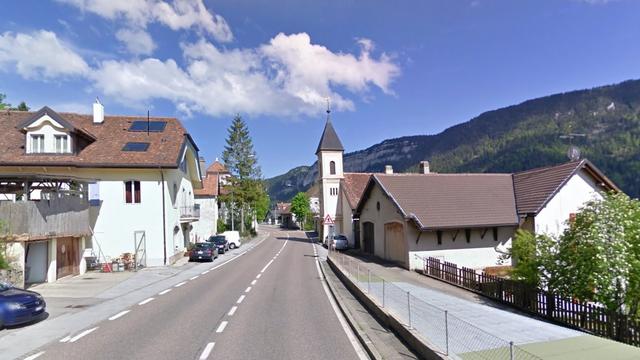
(39, 54)
(137, 41)
(175, 14)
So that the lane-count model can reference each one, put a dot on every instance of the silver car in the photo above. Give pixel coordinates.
(340, 242)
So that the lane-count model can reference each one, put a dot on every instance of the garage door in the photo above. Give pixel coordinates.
(395, 248)
(36, 264)
(67, 256)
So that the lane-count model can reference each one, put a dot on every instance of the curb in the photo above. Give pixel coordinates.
(366, 343)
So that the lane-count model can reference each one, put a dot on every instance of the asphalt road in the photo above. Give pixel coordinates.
(267, 304)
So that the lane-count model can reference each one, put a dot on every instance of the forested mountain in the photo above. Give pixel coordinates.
(513, 138)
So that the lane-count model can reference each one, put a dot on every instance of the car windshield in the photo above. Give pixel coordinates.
(202, 246)
(220, 241)
(4, 286)
(340, 237)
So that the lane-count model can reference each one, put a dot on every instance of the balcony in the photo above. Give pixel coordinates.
(190, 213)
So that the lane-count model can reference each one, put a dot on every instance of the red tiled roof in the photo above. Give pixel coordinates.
(105, 150)
(217, 168)
(534, 188)
(440, 201)
(354, 185)
(209, 186)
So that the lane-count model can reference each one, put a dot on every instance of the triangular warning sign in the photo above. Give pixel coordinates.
(328, 220)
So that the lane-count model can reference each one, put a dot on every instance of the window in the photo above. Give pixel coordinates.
(37, 143)
(62, 144)
(132, 192)
(152, 126)
(332, 168)
(136, 146)
(333, 191)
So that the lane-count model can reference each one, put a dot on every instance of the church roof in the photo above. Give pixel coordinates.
(329, 140)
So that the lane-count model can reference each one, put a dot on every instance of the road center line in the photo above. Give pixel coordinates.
(34, 356)
(119, 315)
(254, 282)
(207, 351)
(232, 311)
(248, 289)
(258, 276)
(164, 291)
(266, 266)
(146, 301)
(240, 299)
(222, 326)
(82, 334)
(204, 272)
(195, 277)
(180, 284)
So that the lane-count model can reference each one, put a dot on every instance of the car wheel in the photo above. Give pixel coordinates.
(232, 246)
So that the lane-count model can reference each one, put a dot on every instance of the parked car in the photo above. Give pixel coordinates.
(233, 237)
(221, 243)
(340, 242)
(203, 251)
(19, 306)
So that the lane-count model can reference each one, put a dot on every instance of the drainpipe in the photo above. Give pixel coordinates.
(164, 221)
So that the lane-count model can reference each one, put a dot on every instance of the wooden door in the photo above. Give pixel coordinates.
(67, 257)
(368, 237)
(395, 248)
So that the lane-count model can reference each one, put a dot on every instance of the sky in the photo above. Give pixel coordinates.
(389, 68)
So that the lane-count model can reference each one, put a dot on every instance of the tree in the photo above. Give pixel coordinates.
(300, 207)
(599, 254)
(245, 186)
(22, 107)
(533, 258)
(4, 105)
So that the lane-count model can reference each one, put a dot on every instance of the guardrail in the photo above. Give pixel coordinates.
(451, 335)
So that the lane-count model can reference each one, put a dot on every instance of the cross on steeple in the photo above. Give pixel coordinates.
(328, 107)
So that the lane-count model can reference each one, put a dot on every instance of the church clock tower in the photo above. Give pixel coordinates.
(330, 174)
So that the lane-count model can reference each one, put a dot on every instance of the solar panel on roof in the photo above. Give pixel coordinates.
(154, 126)
(136, 146)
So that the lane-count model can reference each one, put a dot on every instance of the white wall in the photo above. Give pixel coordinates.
(49, 128)
(552, 219)
(329, 202)
(206, 226)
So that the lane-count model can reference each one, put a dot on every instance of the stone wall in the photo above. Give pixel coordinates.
(14, 277)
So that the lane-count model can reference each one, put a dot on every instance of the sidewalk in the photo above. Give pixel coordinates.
(477, 327)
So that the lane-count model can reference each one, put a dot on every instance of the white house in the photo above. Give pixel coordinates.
(207, 198)
(122, 186)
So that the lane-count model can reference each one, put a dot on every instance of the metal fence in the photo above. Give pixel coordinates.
(449, 334)
(580, 315)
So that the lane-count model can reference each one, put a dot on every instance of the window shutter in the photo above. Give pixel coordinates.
(137, 191)
(127, 188)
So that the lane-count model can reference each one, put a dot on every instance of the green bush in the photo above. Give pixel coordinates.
(222, 226)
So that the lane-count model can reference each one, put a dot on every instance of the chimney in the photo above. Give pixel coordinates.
(98, 112)
(388, 169)
(424, 167)
(203, 167)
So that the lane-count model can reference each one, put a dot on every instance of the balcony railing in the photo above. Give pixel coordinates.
(190, 212)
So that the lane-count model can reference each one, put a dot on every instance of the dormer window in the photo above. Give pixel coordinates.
(37, 143)
(62, 144)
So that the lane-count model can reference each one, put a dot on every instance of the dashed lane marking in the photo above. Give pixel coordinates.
(254, 282)
(194, 277)
(82, 334)
(34, 356)
(258, 276)
(179, 284)
(247, 289)
(240, 299)
(164, 291)
(146, 301)
(222, 326)
(207, 351)
(232, 311)
(119, 315)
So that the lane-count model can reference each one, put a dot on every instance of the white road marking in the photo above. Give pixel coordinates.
(205, 272)
(146, 301)
(207, 351)
(195, 277)
(34, 356)
(254, 282)
(240, 299)
(248, 289)
(65, 339)
(352, 338)
(119, 315)
(179, 284)
(164, 291)
(266, 266)
(258, 276)
(82, 334)
(232, 311)
(222, 326)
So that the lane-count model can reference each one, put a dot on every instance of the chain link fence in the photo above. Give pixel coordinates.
(451, 335)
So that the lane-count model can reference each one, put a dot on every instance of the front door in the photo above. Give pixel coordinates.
(395, 248)
(67, 259)
(368, 237)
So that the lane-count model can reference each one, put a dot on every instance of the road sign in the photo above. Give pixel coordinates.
(328, 220)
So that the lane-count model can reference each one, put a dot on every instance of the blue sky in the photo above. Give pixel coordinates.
(391, 68)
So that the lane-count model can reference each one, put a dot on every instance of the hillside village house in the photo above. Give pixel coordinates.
(72, 184)
(206, 198)
(468, 219)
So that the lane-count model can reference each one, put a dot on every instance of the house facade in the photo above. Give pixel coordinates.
(122, 187)
(215, 177)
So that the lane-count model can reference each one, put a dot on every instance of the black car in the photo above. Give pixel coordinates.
(19, 306)
(221, 243)
(203, 251)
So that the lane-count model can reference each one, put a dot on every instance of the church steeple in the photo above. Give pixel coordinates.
(329, 140)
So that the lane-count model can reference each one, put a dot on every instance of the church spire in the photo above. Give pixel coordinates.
(329, 140)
